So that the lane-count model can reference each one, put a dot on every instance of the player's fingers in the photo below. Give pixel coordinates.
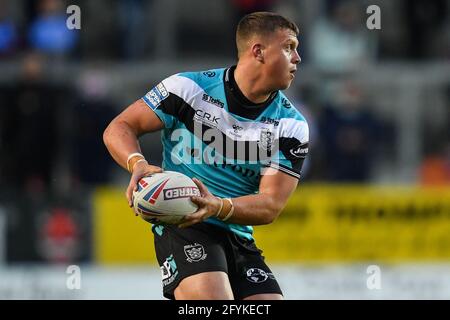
(129, 195)
(201, 202)
(196, 215)
(189, 223)
(203, 190)
(156, 169)
(193, 218)
(131, 187)
(130, 200)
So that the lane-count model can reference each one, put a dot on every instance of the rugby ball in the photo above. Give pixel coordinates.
(165, 197)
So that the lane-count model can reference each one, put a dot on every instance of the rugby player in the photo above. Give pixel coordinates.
(212, 254)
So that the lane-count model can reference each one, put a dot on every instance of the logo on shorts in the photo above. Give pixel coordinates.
(195, 252)
(169, 271)
(256, 275)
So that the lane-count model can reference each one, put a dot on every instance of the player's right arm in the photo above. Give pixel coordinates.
(121, 139)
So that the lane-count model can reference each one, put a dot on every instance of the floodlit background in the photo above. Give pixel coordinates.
(371, 216)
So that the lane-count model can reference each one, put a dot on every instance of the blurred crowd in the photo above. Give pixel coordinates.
(334, 40)
(34, 109)
(334, 31)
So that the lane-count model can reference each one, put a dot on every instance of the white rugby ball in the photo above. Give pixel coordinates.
(165, 197)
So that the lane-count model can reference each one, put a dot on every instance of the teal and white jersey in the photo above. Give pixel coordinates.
(212, 132)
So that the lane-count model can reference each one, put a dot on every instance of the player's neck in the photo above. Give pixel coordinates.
(250, 85)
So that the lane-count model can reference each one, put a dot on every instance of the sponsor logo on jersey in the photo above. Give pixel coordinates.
(268, 120)
(212, 100)
(206, 118)
(286, 103)
(155, 96)
(236, 130)
(180, 192)
(300, 151)
(245, 172)
(209, 74)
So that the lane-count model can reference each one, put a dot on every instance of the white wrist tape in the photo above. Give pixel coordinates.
(230, 213)
(220, 209)
(136, 154)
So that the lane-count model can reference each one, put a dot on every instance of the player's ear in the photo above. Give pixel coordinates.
(258, 52)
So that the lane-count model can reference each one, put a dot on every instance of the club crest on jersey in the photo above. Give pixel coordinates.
(153, 194)
(266, 139)
(195, 252)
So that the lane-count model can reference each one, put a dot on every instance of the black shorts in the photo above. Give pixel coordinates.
(204, 247)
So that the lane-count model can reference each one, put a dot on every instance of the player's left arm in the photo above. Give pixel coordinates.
(275, 188)
(263, 208)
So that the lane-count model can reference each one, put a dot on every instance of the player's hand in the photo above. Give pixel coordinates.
(208, 205)
(140, 170)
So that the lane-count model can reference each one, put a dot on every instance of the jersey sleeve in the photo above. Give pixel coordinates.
(292, 146)
(162, 99)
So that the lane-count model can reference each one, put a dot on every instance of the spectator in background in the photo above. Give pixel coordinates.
(442, 44)
(93, 112)
(339, 41)
(349, 134)
(424, 20)
(8, 31)
(134, 22)
(29, 129)
(48, 32)
(244, 7)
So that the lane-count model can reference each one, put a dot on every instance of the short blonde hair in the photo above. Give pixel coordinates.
(262, 24)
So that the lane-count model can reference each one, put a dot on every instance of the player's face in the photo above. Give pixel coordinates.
(281, 59)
